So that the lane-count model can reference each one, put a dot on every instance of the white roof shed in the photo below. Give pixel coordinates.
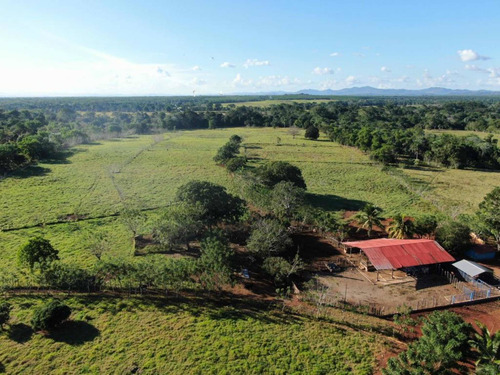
(471, 269)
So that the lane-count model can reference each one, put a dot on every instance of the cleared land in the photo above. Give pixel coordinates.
(146, 174)
(122, 336)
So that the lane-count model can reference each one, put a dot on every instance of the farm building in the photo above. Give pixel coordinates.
(471, 270)
(412, 256)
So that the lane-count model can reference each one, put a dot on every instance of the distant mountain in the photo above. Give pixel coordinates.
(372, 91)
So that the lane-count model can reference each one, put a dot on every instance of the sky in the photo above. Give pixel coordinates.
(72, 48)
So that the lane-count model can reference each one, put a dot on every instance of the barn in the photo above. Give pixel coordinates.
(395, 254)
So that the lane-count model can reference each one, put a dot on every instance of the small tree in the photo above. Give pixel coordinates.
(134, 219)
(487, 345)
(400, 227)
(369, 217)
(5, 309)
(234, 164)
(425, 226)
(179, 224)
(215, 261)
(50, 316)
(281, 269)
(312, 132)
(268, 237)
(276, 171)
(293, 131)
(37, 252)
(285, 200)
(489, 214)
(454, 237)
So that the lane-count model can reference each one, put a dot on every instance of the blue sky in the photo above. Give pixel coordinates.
(211, 47)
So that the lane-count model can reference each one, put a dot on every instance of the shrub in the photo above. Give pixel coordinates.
(50, 315)
(70, 277)
(5, 308)
(234, 164)
(278, 171)
(312, 132)
(268, 237)
(454, 237)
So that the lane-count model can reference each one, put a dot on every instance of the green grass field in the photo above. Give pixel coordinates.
(123, 336)
(148, 176)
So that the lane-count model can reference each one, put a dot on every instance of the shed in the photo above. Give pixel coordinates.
(470, 270)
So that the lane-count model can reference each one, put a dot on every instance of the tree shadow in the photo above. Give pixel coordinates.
(334, 202)
(20, 333)
(2, 368)
(31, 171)
(74, 332)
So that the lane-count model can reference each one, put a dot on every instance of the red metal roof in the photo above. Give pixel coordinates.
(386, 253)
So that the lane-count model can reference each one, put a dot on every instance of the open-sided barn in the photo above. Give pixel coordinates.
(395, 254)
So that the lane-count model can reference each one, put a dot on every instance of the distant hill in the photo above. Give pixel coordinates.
(372, 91)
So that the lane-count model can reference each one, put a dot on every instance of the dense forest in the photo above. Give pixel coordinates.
(390, 130)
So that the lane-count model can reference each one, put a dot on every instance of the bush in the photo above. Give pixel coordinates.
(454, 237)
(278, 171)
(5, 308)
(234, 164)
(71, 278)
(312, 132)
(50, 315)
(268, 237)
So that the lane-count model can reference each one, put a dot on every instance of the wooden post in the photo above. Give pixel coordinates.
(377, 275)
(392, 273)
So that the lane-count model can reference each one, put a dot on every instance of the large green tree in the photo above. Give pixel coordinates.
(215, 202)
(37, 253)
(179, 224)
(489, 214)
(274, 172)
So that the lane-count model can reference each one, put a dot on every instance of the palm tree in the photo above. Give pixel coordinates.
(488, 348)
(369, 217)
(401, 227)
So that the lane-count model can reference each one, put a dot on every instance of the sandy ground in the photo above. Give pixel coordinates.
(353, 285)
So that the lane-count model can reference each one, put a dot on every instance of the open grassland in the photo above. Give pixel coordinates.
(116, 336)
(102, 179)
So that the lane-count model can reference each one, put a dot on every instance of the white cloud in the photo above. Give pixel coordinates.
(198, 82)
(227, 65)
(351, 80)
(335, 54)
(385, 69)
(239, 81)
(276, 81)
(196, 68)
(255, 62)
(322, 71)
(163, 72)
(493, 72)
(470, 55)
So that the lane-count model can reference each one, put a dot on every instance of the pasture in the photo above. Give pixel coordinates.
(109, 335)
(99, 180)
